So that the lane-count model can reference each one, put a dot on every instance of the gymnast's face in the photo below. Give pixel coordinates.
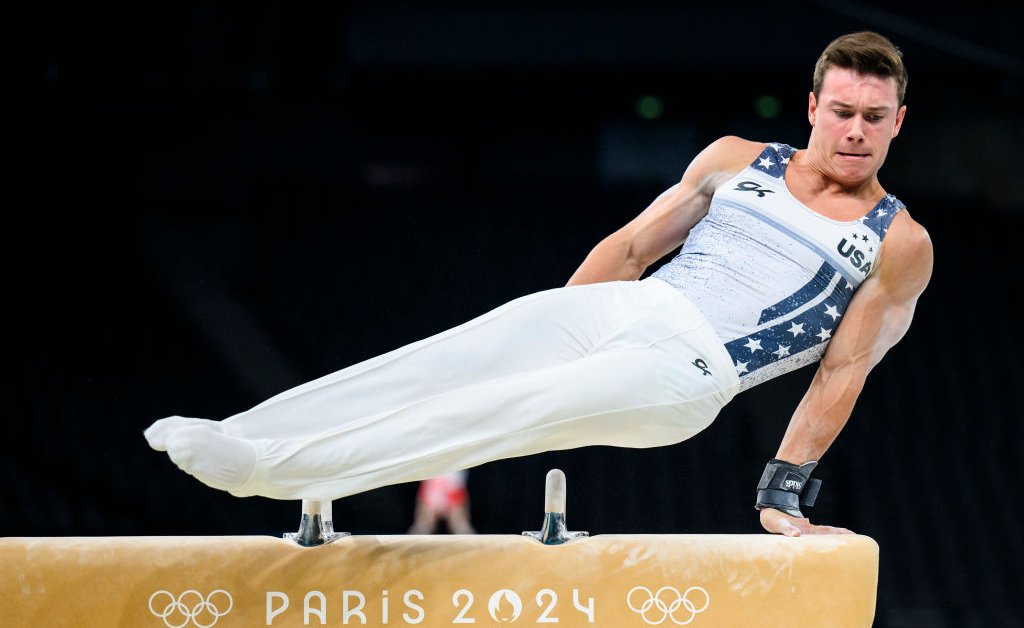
(853, 121)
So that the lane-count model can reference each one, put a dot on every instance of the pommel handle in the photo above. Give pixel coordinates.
(554, 491)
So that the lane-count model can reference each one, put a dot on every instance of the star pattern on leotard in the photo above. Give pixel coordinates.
(879, 218)
(774, 159)
(789, 336)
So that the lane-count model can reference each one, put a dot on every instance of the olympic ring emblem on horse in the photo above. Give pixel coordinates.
(191, 607)
(666, 601)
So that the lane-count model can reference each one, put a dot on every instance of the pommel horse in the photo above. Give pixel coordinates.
(317, 576)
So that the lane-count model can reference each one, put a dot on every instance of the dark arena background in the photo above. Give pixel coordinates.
(210, 203)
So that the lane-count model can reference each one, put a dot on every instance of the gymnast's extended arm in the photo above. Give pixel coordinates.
(877, 318)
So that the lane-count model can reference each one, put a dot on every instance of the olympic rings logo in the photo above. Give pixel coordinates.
(662, 602)
(190, 607)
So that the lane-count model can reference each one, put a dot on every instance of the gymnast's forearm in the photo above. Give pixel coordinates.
(821, 415)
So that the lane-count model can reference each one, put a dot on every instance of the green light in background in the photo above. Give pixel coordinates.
(768, 107)
(649, 107)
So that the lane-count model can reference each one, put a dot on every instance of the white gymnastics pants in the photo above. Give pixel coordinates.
(627, 364)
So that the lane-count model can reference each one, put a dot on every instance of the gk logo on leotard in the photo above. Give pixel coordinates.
(702, 365)
(751, 186)
(656, 607)
(190, 608)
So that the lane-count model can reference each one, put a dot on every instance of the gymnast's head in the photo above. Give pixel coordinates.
(866, 53)
(856, 107)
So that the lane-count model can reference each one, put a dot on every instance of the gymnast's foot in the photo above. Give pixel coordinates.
(215, 459)
(158, 433)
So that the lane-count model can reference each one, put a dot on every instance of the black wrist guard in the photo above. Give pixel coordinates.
(786, 487)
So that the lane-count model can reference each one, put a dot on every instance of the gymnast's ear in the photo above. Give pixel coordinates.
(900, 114)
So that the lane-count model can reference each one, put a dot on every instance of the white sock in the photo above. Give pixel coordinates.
(215, 459)
(157, 433)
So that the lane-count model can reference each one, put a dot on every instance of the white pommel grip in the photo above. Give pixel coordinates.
(554, 491)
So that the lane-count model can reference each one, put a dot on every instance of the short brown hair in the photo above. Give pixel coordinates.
(865, 52)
